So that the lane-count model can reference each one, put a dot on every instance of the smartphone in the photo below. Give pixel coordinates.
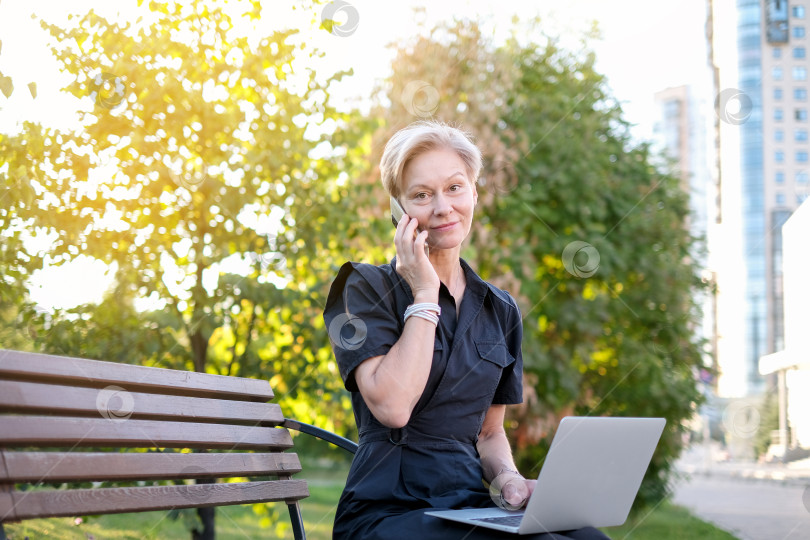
(396, 214)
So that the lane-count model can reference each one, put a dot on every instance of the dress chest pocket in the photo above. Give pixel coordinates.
(494, 351)
(490, 358)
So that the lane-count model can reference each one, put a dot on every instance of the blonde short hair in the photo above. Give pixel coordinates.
(421, 137)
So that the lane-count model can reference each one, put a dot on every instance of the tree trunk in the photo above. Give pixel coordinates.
(199, 349)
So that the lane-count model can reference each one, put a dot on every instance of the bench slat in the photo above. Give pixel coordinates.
(38, 397)
(100, 466)
(44, 367)
(53, 431)
(78, 502)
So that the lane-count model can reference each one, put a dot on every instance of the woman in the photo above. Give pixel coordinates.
(431, 354)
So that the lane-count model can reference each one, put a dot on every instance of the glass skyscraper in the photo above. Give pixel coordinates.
(773, 65)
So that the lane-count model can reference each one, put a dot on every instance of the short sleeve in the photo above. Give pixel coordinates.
(360, 317)
(510, 387)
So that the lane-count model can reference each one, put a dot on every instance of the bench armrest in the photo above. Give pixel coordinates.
(328, 436)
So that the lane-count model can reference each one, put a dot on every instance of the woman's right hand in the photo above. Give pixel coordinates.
(391, 384)
(412, 262)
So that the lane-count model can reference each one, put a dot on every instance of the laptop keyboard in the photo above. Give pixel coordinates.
(510, 521)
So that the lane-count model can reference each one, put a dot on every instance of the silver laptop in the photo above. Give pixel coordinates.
(590, 477)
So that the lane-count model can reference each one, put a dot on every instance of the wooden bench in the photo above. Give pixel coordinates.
(66, 420)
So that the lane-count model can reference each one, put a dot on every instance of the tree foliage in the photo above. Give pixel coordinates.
(206, 170)
(613, 338)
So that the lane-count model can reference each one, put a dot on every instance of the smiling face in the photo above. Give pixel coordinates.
(436, 190)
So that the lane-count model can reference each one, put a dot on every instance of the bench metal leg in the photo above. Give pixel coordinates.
(297, 521)
(206, 515)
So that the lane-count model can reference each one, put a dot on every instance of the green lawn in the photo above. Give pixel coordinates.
(667, 522)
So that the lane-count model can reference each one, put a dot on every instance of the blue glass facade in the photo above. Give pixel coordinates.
(749, 49)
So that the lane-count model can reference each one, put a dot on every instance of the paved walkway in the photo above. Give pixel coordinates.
(752, 501)
(749, 510)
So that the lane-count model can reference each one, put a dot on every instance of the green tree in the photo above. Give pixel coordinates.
(607, 272)
(18, 210)
(768, 423)
(209, 171)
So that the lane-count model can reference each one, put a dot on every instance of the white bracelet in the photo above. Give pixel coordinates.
(427, 315)
(426, 310)
(424, 314)
(424, 306)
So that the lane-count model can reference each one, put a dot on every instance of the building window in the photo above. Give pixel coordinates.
(672, 108)
(777, 114)
(777, 93)
(799, 73)
(800, 115)
(777, 73)
(777, 52)
(800, 135)
(801, 156)
(801, 197)
(780, 198)
(800, 94)
(779, 156)
(798, 32)
(802, 177)
(798, 12)
(780, 177)
(798, 52)
(778, 135)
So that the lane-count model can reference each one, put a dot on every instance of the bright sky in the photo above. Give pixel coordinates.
(647, 46)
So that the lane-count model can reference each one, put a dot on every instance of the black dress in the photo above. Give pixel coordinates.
(432, 462)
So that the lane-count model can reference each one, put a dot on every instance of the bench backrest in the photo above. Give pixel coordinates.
(73, 420)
